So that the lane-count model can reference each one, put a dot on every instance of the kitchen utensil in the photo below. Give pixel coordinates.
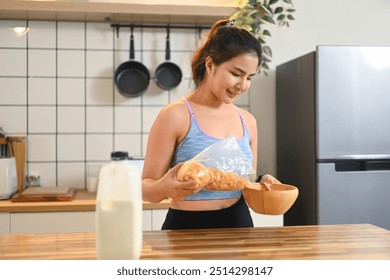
(168, 75)
(266, 186)
(36, 194)
(18, 147)
(275, 202)
(132, 77)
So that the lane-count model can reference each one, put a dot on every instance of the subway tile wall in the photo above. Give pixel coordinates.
(57, 87)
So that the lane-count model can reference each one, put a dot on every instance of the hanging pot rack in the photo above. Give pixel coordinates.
(118, 26)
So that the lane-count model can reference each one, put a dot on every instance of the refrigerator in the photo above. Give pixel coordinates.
(333, 135)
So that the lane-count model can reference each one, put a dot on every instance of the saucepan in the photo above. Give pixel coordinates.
(168, 75)
(132, 77)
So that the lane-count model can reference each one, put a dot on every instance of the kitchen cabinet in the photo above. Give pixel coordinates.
(260, 220)
(158, 217)
(84, 221)
(66, 222)
(192, 12)
(4, 223)
(52, 222)
(79, 216)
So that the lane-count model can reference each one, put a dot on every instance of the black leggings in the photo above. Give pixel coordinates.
(235, 216)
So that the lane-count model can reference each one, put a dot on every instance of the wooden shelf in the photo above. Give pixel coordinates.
(114, 12)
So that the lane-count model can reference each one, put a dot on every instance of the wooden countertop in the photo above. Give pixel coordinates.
(83, 201)
(335, 242)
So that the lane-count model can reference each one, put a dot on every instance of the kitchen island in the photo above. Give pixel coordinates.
(335, 242)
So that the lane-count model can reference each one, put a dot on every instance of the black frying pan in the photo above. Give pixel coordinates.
(168, 75)
(132, 77)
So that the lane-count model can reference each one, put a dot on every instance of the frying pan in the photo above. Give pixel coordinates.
(132, 77)
(168, 75)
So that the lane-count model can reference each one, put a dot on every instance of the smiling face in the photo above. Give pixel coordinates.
(231, 78)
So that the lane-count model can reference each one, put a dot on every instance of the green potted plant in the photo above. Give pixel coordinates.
(253, 15)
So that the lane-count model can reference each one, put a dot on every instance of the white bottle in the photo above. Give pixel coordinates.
(119, 210)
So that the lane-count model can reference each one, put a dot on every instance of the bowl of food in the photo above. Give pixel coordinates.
(275, 199)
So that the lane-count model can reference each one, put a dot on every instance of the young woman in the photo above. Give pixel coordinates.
(222, 69)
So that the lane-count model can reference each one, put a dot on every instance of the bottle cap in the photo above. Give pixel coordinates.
(119, 155)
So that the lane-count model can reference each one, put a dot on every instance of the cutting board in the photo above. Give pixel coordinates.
(44, 194)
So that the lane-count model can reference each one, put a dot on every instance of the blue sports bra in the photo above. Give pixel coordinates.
(196, 141)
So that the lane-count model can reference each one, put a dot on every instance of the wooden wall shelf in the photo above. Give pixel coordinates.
(114, 12)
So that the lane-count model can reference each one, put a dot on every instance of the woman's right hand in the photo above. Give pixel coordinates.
(179, 190)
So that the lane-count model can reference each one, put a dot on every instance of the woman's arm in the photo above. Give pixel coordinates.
(158, 180)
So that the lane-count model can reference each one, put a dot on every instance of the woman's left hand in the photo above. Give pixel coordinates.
(269, 179)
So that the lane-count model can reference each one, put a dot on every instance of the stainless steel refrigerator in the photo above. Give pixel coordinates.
(333, 135)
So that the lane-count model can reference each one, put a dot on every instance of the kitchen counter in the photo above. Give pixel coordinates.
(83, 201)
(336, 242)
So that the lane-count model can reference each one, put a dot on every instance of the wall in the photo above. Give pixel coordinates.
(318, 22)
(80, 103)
(57, 87)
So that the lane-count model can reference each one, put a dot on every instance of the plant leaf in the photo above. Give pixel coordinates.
(266, 33)
(288, 1)
(290, 17)
(278, 10)
(272, 2)
(268, 19)
(280, 17)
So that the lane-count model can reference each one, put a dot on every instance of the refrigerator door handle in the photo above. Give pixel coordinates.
(362, 165)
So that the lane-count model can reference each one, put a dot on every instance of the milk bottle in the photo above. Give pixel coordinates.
(119, 210)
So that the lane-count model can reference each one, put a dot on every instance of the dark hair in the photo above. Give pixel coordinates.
(224, 42)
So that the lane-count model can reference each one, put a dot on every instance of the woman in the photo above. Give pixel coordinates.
(222, 69)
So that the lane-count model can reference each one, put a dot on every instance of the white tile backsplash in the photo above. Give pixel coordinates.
(8, 38)
(13, 62)
(99, 64)
(71, 147)
(70, 63)
(127, 119)
(71, 174)
(71, 35)
(99, 147)
(41, 147)
(42, 34)
(13, 91)
(123, 100)
(13, 119)
(71, 91)
(130, 143)
(100, 119)
(71, 119)
(42, 91)
(99, 91)
(42, 119)
(155, 95)
(46, 170)
(42, 63)
(57, 87)
(99, 36)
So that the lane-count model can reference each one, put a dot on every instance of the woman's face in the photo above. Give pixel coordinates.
(231, 78)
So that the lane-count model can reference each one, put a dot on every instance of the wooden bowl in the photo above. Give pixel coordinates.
(277, 201)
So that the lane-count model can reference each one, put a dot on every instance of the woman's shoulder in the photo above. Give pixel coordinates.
(174, 114)
(174, 109)
(248, 116)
